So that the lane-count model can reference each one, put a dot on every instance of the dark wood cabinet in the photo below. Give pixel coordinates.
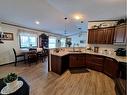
(120, 34)
(43, 41)
(121, 81)
(56, 64)
(92, 36)
(59, 64)
(111, 67)
(94, 62)
(110, 35)
(76, 60)
(101, 36)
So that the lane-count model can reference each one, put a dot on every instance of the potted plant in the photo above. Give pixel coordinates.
(68, 43)
(11, 80)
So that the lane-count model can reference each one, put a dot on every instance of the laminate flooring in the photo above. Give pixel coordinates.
(43, 82)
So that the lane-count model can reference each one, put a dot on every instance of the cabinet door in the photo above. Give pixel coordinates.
(110, 35)
(73, 61)
(77, 60)
(120, 34)
(92, 36)
(81, 60)
(56, 64)
(94, 62)
(111, 67)
(101, 36)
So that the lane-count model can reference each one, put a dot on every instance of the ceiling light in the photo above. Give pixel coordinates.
(37, 22)
(77, 17)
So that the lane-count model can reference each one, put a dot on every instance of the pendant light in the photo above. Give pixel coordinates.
(65, 31)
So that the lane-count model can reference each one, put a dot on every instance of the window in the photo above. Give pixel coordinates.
(63, 41)
(52, 42)
(27, 40)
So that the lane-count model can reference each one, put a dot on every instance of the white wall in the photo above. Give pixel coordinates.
(75, 39)
(6, 52)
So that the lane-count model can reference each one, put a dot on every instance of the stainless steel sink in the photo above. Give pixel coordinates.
(75, 51)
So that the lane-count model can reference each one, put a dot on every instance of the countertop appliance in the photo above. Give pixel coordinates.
(121, 52)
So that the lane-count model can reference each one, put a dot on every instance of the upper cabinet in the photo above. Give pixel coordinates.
(109, 35)
(92, 36)
(120, 34)
(101, 35)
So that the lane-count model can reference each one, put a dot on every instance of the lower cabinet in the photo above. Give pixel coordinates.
(111, 67)
(94, 62)
(76, 60)
(59, 64)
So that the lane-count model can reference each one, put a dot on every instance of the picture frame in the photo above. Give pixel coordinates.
(7, 36)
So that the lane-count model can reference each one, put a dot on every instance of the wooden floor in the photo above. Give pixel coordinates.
(43, 82)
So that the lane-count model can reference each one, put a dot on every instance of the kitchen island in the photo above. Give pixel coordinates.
(105, 63)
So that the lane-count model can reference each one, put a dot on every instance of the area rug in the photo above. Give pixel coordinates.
(78, 70)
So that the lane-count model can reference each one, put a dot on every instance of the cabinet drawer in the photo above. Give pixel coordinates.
(97, 60)
(98, 68)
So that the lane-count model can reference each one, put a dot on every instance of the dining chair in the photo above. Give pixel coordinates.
(18, 56)
(33, 49)
(32, 57)
(41, 54)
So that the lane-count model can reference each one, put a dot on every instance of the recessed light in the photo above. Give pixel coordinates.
(37, 22)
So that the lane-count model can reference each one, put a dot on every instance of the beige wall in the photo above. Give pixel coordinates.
(6, 52)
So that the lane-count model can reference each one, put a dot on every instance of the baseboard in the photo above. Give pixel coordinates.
(10, 63)
(7, 64)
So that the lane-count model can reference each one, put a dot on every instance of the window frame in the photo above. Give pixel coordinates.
(52, 43)
(27, 47)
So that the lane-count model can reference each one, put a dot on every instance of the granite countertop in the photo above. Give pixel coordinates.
(118, 58)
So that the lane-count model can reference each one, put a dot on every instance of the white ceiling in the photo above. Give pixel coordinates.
(51, 13)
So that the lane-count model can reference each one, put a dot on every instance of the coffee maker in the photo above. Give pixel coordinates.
(121, 52)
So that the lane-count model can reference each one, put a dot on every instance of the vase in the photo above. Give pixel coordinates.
(13, 84)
